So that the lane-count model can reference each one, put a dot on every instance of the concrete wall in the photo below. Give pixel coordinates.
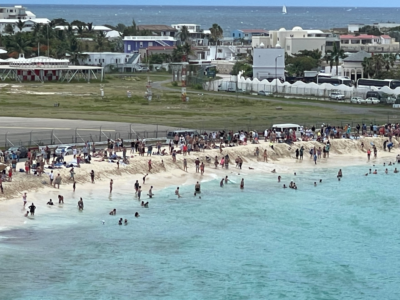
(264, 63)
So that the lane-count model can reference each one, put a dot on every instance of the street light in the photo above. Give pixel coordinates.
(276, 73)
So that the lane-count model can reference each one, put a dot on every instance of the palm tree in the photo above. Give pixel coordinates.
(19, 43)
(337, 54)
(186, 51)
(216, 34)
(368, 67)
(184, 34)
(329, 60)
(389, 60)
(378, 63)
(9, 29)
(20, 25)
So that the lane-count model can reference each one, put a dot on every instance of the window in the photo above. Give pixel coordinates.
(129, 47)
(150, 44)
(141, 44)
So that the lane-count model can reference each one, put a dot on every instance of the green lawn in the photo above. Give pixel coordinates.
(80, 100)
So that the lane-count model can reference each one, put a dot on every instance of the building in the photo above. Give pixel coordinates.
(28, 24)
(297, 39)
(16, 12)
(368, 43)
(355, 27)
(197, 36)
(160, 30)
(105, 58)
(102, 28)
(247, 34)
(268, 63)
(352, 65)
(135, 43)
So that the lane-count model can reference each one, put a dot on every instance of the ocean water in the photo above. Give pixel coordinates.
(339, 240)
(228, 17)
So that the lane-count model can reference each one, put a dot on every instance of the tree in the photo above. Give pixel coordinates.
(19, 43)
(336, 54)
(389, 60)
(371, 30)
(78, 23)
(59, 22)
(298, 64)
(216, 34)
(316, 53)
(242, 66)
(328, 59)
(184, 34)
(187, 50)
(368, 67)
(20, 25)
(9, 29)
(89, 27)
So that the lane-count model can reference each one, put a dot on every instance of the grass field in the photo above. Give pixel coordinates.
(203, 111)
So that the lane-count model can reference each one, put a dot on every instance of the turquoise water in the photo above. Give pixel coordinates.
(339, 240)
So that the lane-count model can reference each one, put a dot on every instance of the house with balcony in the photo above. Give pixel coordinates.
(28, 24)
(297, 39)
(368, 43)
(247, 34)
(135, 43)
(160, 30)
(16, 12)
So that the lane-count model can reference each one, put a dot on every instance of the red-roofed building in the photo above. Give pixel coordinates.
(369, 43)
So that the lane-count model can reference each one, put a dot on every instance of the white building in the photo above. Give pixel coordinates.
(16, 12)
(107, 58)
(295, 40)
(105, 29)
(368, 43)
(268, 63)
(28, 24)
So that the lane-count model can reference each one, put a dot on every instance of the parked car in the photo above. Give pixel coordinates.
(373, 100)
(336, 96)
(67, 150)
(391, 100)
(356, 100)
(264, 93)
(23, 150)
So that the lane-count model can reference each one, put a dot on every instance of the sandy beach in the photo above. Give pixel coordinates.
(343, 152)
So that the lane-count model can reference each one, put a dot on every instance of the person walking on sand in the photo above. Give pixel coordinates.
(150, 167)
(265, 155)
(185, 165)
(136, 187)
(51, 176)
(57, 181)
(197, 163)
(216, 162)
(242, 184)
(74, 186)
(202, 168)
(92, 176)
(369, 154)
(111, 185)
(315, 158)
(72, 173)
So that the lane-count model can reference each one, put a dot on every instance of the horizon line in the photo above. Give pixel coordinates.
(158, 5)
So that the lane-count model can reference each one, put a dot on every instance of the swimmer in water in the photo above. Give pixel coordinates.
(27, 213)
(142, 204)
(226, 179)
(320, 181)
(273, 171)
(242, 184)
(284, 186)
(80, 204)
(369, 171)
(375, 172)
(50, 202)
(395, 170)
(315, 184)
(221, 184)
(150, 194)
(120, 221)
(386, 171)
(294, 173)
(126, 222)
(177, 192)
(113, 212)
(279, 178)
(146, 205)
(137, 215)
(340, 173)
(197, 187)
(390, 163)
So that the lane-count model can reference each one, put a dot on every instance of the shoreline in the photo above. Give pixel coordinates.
(343, 153)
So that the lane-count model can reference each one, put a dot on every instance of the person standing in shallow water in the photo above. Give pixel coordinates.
(242, 184)
(32, 208)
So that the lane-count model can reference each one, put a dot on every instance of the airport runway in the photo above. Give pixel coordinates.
(19, 131)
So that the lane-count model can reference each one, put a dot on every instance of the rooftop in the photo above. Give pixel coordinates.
(156, 27)
(254, 30)
(357, 57)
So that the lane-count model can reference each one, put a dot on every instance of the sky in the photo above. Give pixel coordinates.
(340, 3)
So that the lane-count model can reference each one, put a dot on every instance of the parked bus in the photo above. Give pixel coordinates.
(391, 83)
(334, 80)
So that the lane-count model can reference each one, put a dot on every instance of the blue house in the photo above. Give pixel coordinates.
(247, 34)
(135, 43)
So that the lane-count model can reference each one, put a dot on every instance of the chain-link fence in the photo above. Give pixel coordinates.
(60, 136)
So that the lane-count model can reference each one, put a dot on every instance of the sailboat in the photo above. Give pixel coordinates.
(284, 12)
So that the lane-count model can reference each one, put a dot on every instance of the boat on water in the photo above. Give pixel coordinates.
(284, 11)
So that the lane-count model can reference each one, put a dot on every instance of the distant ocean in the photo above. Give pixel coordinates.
(229, 18)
